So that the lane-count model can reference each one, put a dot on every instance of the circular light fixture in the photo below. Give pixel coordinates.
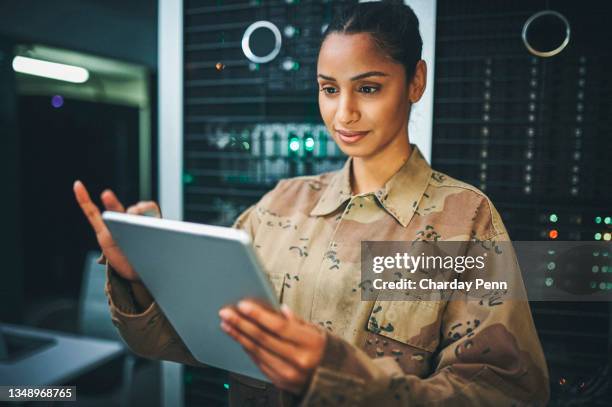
(542, 25)
(271, 48)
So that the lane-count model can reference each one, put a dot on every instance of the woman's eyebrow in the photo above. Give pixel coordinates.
(357, 77)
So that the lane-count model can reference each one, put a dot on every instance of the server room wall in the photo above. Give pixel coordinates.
(533, 133)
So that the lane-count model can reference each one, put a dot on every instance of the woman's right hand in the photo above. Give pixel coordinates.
(111, 251)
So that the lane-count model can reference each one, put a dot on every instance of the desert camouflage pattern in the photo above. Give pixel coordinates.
(307, 232)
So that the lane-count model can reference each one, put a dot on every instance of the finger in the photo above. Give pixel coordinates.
(276, 378)
(90, 210)
(260, 336)
(111, 202)
(273, 321)
(145, 208)
(149, 208)
(277, 369)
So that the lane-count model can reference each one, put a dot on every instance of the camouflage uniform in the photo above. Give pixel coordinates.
(307, 232)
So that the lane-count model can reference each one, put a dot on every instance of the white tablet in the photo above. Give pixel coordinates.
(192, 271)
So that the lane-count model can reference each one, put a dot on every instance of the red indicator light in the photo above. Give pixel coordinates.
(553, 234)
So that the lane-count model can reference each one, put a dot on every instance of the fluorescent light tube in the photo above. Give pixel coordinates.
(53, 70)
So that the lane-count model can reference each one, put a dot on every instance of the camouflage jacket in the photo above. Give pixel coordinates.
(307, 232)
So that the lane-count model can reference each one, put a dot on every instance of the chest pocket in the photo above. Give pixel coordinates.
(278, 282)
(413, 323)
(270, 255)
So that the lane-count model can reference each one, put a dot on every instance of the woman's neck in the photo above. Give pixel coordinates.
(371, 173)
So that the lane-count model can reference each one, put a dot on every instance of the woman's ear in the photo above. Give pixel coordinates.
(418, 83)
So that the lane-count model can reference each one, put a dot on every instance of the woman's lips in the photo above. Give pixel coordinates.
(351, 137)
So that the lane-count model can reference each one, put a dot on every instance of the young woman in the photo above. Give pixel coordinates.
(327, 347)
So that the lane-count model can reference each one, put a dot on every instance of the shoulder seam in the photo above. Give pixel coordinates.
(497, 230)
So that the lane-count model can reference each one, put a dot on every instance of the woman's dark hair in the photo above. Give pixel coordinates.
(391, 23)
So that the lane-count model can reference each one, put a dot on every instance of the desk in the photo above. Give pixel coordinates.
(65, 358)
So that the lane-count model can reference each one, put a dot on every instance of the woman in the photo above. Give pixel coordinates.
(326, 346)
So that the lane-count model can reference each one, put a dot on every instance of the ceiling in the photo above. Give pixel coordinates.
(123, 30)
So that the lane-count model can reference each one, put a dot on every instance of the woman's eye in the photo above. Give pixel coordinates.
(369, 89)
(328, 90)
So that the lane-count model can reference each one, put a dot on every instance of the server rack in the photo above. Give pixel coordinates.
(247, 124)
(534, 134)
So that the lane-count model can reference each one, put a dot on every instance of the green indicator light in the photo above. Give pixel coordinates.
(597, 236)
(595, 269)
(549, 282)
(309, 144)
(294, 144)
(553, 217)
(602, 286)
(598, 219)
(246, 145)
(593, 284)
(187, 178)
(595, 254)
(226, 385)
(604, 269)
(607, 237)
(607, 220)
(609, 285)
(551, 266)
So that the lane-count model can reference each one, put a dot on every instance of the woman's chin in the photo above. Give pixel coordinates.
(350, 150)
(357, 152)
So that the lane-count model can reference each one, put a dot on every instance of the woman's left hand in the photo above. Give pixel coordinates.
(285, 347)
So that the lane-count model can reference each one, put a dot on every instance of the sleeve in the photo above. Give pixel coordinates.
(149, 333)
(497, 361)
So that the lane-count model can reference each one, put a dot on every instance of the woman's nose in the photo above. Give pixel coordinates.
(347, 112)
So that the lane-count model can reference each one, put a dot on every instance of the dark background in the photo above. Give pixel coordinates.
(45, 149)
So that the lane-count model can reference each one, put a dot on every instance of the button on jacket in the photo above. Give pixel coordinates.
(307, 232)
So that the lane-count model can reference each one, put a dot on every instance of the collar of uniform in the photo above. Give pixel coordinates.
(337, 192)
(399, 197)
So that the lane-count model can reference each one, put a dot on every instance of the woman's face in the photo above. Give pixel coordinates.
(363, 95)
